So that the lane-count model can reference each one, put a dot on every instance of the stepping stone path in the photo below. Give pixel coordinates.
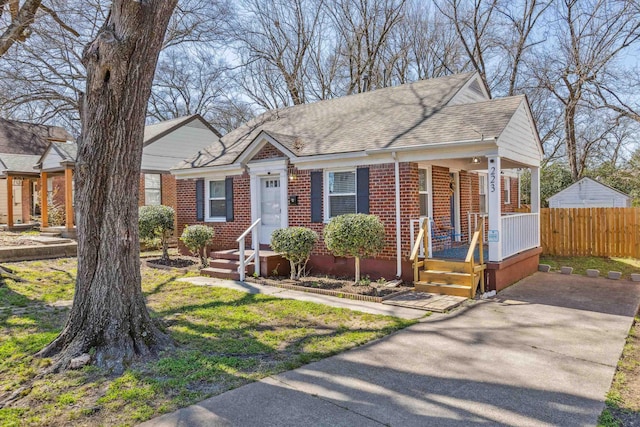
(614, 275)
(592, 272)
(566, 270)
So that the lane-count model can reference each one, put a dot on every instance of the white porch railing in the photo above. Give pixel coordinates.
(473, 219)
(256, 251)
(519, 233)
(414, 229)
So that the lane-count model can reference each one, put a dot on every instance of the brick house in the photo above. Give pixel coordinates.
(165, 145)
(439, 149)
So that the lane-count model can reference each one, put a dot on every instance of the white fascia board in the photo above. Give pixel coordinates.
(437, 151)
(213, 172)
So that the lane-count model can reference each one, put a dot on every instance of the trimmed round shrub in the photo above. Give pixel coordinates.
(156, 224)
(294, 244)
(196, 238)
(355, 235)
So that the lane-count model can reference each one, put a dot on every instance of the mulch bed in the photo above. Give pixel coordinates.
(174, 262)
(341, 287)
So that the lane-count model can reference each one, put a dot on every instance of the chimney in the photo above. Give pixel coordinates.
(365, 82)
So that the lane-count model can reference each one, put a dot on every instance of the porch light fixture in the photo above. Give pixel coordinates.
(292, 177)
(475, 160)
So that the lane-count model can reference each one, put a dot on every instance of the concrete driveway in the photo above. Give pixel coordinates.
(543, 353)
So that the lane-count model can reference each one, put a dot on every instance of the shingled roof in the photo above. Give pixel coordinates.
(408, 115)
(27, 138)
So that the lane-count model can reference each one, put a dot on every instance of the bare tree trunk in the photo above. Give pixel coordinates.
(357, 269)
(109, 314)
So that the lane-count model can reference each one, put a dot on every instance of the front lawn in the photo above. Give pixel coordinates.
(224, 339)
(580, 264)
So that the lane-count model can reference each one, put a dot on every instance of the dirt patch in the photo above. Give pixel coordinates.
(10, 238)
(342, 285)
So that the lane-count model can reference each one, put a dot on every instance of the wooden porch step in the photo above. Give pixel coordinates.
(443, 289)
(446, 277)
(446, 265)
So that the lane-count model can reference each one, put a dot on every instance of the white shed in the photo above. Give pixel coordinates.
(588, 193)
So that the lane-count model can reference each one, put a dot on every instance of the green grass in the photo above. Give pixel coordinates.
(623, 399)
(223, 338)
(580, 264)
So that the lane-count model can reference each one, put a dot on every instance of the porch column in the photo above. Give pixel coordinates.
(535, 197)
(9, 201)
(495, 223)
(44, 200)
(68, 198)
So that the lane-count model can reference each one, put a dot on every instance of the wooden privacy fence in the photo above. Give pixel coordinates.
(590, 231)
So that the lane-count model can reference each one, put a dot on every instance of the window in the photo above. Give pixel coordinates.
(482, 193)
(217, 199)
(342, 193)
(423, 190)
(152, 189)
(507, 190)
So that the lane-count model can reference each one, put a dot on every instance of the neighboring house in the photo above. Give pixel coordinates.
(438, 148)
(21, 145)
(588, 193)
(165, 144)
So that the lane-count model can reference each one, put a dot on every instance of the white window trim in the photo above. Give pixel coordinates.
(146, 188)
(325, 187)
(507, 187)
(429, 191)
(207, 198)
(483, 190)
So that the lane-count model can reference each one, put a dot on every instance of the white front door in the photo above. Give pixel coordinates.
(270, 208)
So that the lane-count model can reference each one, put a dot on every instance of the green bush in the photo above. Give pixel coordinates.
(355, 235)
(156, 223)
(294, 244)
(196, 238)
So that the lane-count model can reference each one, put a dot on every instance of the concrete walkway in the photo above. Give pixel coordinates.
(255, 288)
(543, 353)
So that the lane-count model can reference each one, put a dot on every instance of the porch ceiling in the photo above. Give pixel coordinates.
(469, 165)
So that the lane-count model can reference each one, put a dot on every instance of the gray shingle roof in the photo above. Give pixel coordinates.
(68, 151)
(401, 116)
(28, 138)
(20, 163)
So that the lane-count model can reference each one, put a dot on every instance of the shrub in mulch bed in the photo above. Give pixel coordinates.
(344, 288)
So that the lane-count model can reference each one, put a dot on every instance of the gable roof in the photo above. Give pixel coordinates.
(27, 138)
(586, 178)
(408, 115)
(165, 144)
(18, 164)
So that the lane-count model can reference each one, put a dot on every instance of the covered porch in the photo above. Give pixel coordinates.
(56, 169)
(481, 196)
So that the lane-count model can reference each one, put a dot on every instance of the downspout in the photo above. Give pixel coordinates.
(398, 225)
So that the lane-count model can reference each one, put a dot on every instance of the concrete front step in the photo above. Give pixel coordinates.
(230, 264)
(443, 289)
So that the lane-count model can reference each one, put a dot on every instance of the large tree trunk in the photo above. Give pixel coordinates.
(109, 315)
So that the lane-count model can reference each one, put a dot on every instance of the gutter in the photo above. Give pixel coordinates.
(398, 225)
(393, 150)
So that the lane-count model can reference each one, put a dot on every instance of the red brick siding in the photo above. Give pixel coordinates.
(268, 152)
(475, 192)
(441, 204)
(511, 207)
(226, 232)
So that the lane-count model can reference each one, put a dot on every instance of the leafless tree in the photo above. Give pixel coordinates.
(589, 37)
(363, 28)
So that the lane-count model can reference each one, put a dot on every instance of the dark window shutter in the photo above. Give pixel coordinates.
(316, 196)
(200, 200)
(362, 202)
(228, 194)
